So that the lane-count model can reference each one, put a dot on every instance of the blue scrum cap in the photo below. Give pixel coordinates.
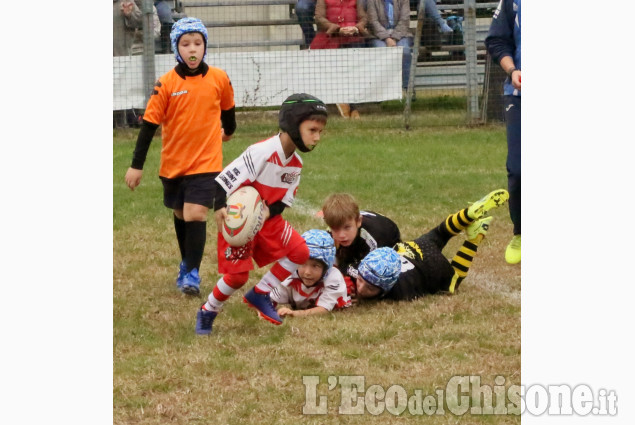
(321, 247)
(184, 26)
(381, 267)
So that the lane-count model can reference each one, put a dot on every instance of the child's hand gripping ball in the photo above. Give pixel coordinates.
(245, 216)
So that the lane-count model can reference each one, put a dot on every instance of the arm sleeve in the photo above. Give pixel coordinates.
(500, 38)
(321, 22)
(243, 169)
(156, 23)
(276, 208)
(280, 294)
(135, 20)
(227, 95)
(402, 29)
(362, 19)
(144, 139)
(432, 12)
(334, 294)
(376, 28)
(220, 197)
(228, 120)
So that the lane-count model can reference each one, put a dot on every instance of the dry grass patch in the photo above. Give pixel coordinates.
(250, 372)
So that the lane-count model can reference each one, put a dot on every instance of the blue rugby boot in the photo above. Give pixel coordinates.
(204, 321)
(181, 275)
(191, 283)
(262, 303)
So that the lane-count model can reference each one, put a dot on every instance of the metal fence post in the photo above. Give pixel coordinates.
(469, 7)
(413, 64)
(148, 48)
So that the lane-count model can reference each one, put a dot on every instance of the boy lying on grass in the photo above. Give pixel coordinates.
(317, 287)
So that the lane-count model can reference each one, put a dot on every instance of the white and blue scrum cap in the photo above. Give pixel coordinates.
(184, 26)
(381, 267)
(321, 247)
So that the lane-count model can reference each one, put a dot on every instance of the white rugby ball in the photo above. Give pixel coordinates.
(245, 216)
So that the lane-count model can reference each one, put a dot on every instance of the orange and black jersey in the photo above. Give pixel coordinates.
(376, 231)
(192, 108)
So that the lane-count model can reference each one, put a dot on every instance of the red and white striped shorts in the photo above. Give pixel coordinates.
(274, 241)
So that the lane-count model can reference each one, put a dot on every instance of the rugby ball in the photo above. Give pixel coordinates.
(245, 216)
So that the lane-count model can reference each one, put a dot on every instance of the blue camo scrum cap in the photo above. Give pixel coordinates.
(321, 247)
(184, 26)
(381, 267)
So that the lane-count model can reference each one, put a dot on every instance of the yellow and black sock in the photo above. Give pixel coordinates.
(457, 222)
(462, 262)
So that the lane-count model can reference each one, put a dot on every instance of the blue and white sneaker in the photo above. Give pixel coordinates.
(262, 303)
(191, 283)
(182, 273)
(204, 320)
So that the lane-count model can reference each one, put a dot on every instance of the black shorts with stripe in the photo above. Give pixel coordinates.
(194, 189)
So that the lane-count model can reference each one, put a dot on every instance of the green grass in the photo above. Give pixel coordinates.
(250, 372)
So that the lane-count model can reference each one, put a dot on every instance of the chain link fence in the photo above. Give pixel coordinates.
(273, 48)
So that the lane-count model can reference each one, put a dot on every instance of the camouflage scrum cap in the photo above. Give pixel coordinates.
(184, 26)
(381, 267)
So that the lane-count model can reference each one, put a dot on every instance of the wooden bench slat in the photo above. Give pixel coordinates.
(251, 23)
(238, 3)
(259, 43)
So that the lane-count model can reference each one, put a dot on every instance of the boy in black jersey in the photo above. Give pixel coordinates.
(356, 233)
(415, 268)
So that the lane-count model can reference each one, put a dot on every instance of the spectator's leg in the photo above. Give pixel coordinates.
(512, 118)
(305, 10)
(164, 11)
(407, 44)
(375, 42)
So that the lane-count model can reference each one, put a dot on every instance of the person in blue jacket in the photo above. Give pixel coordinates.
(503, 45)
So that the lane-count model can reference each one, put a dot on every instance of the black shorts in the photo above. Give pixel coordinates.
(195, 189)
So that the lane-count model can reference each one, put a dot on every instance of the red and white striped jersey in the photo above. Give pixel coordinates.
(329, 293)
(263, 165)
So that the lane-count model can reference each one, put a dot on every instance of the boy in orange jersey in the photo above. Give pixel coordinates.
(195, 104)
(273, 168)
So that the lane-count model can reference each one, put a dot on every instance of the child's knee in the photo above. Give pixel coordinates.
(299, 255)
(236, 280)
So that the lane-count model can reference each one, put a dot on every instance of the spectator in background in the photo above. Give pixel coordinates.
(126, 20)
(432, 13)
(435, 31)
(164, 10)
(341, 24)
(127, 27)
(127, 39)
(305, 10)
(503, 44)
(389, 22)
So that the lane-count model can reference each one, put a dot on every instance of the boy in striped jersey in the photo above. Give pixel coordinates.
(415, 268)
(273, 168)
(317, 287)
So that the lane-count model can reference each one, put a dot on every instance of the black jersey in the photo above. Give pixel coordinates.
(376, 231)
(424, 270)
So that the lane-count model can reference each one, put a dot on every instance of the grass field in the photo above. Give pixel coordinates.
(251, 372)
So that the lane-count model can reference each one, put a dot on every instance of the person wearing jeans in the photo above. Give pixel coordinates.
(503, 43)
(389, 22)
(305, 10)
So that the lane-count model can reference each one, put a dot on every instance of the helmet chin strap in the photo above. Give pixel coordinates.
(300, 144)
